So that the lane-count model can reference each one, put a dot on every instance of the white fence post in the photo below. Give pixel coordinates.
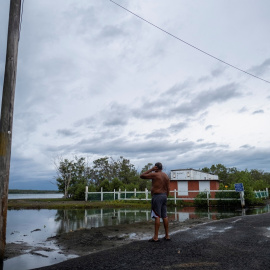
(174, 196)
(114, 194)
(101, 194)
(85, 217)
(125, 194)
(135, 192)
(207, 193)
(146, 194)
(119, 194)
(86, 193)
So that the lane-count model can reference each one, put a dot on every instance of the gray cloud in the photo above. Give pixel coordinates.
(175, 128)
(178, 89)
(27, 173)
(242, 110)
(163, 108)
(258, 112)
(111, 32)
(246, 146)
(115, 121)
(218, 71)
(204, 79)
(66, 132)
(209, 127)
(262, 68)
(88, 122)
(115, 115)
(127, 148)
(207, 98)
(160, 133)
(241, 159)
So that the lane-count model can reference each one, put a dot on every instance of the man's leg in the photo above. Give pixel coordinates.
(166, 227)
(157, 223)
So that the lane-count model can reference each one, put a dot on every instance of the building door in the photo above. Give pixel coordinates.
(182, 188)
(204, 186)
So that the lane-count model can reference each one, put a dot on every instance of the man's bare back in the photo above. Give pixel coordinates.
(160, 180)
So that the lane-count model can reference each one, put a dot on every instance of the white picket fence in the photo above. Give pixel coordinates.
(262, 194)
(146, 195)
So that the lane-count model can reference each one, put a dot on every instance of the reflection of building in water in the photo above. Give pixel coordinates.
(109, 217)
(189, 213)
(114, 217)
(71, 220)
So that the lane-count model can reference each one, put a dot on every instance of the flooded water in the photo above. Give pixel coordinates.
(36, 196)
(33, 227)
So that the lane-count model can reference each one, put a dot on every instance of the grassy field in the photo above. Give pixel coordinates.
(71, 204)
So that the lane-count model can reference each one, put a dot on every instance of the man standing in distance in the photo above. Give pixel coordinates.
(159, 191)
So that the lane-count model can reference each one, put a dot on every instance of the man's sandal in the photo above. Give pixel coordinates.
(153, 240)
(167, 239)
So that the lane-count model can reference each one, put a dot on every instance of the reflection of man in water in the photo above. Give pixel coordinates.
(160, 192)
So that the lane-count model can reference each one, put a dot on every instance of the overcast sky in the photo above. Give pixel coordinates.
(94, 80)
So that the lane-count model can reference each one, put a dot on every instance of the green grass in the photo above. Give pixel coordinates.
(71, 204)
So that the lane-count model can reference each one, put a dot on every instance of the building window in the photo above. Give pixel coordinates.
(204, 186)
(182, 188)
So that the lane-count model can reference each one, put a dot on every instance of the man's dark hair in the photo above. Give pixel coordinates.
(159, 165)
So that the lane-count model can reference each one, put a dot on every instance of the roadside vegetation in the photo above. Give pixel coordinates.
(253, 180)
(107, 173)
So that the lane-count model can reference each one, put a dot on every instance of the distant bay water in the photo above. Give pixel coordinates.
(36, 196)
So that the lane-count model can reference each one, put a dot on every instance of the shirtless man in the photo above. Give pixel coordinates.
(160, 192)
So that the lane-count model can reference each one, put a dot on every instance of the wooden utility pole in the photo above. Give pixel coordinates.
(7, 114)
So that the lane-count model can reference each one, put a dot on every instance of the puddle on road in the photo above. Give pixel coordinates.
(30, 261)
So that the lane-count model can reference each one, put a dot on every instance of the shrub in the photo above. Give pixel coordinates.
(79, 192)
(226, 195)
(201, 199)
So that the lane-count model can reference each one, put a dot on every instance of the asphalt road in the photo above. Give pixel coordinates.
(232, 244)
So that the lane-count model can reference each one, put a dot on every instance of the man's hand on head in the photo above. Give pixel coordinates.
(148, 173)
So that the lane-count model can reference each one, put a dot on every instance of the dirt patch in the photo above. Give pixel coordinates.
(16, 249)
(86, 241)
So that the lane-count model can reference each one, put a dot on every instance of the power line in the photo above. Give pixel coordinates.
(194, 47)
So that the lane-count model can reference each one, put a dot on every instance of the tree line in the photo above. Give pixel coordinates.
(107, 173)
(255, 179)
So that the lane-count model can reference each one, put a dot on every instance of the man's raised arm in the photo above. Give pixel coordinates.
(149, 173)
